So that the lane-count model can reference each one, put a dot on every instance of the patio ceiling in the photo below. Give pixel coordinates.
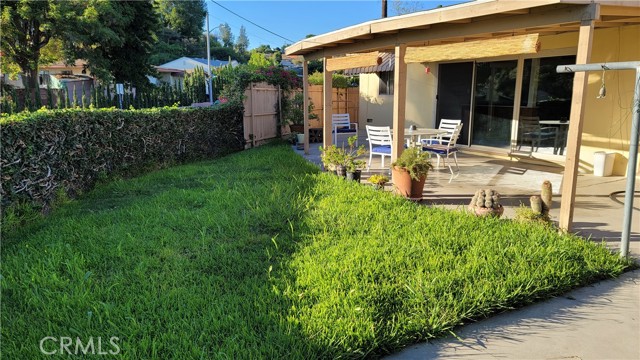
(479, 20)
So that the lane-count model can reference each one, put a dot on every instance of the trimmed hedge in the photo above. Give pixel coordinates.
(45, 152)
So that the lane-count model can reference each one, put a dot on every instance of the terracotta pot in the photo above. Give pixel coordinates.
(405, 185)
(482, 211)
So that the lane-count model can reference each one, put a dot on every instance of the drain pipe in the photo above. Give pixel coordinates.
(633, 143)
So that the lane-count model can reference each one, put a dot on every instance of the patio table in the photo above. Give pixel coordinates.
(413, 135)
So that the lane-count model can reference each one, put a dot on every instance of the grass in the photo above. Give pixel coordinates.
(258, 255)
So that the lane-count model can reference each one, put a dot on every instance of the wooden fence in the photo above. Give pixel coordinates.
(261, 109)
(343, 101)
(262, 105)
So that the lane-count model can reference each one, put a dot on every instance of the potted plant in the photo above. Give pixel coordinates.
(378, 181)
(294, 113)
(486, 203)
(343, 161)
(333, 159)
(410, 171)
(352, 165)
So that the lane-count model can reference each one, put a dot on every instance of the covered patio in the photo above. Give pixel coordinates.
(496, 31)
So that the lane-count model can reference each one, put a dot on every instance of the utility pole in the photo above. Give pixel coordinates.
(209, 88)
(384, 9)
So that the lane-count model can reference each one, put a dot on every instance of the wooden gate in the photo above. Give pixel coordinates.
(261, 105)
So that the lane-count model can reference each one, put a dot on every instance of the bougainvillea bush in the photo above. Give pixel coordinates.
(46, 153)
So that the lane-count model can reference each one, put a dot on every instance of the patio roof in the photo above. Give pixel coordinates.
(387, 64)
(483, 19)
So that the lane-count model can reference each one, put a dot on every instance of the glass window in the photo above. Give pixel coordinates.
(545, 105)
(494, 96)
(386, 83)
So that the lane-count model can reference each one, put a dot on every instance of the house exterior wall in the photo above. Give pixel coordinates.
(607, 125)
(421, 90)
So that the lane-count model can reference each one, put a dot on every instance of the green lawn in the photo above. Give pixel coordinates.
(258, 255)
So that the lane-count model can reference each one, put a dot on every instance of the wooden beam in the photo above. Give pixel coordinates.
(454, 13)
(399, 101)
(508, 25)
(305, 104)
(327, 138)
(353, 61)
(607, 10)
(574, 137)
(514, 45)
(516, 100)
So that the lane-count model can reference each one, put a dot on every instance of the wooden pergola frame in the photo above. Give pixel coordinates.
(475, 21)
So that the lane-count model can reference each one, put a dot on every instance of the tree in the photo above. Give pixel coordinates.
(121, 53)
(242, 43)
(28, 26)
(181, 30)
(186, 18)
(226, 35)
(259, 60)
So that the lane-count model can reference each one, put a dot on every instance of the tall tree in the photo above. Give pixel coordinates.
(28, 26)
(180, 31)
(183, 17)
(122, 51)
(226, 35)
(242, 43)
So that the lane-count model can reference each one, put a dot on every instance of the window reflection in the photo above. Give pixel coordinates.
(545, 106)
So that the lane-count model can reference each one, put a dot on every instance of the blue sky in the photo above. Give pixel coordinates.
(296, 19)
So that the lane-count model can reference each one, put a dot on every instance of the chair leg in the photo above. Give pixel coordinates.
(382, 161)
(455, 158)
(438, 162)
(369, 163)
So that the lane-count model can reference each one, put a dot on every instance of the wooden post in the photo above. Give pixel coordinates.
(516, 103)
(305, 104)
(252, 135)
(399, 101)
(327, 138)
(574, 137)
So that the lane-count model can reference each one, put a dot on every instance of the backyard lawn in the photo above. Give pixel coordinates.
(259, 255)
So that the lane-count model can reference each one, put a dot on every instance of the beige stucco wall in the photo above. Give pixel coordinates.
(421, 92)
(607, 125)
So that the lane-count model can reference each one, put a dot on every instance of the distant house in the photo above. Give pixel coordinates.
(289, 63)
(168, 76)
(187, 64)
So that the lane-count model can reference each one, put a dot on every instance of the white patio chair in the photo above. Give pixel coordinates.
(379, 138)
(341, 124)
(445, 145)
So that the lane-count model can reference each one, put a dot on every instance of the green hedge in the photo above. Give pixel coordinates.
(46, 152)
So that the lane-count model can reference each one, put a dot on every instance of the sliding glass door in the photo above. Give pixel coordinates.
(494, 96)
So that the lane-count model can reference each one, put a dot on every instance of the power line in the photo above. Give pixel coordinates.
(245, 19)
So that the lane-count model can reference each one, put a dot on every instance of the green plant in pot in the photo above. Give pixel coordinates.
(352, 164)
(294, 112)
(333, 158)
(410, 171)
(378, 181)
(486, 203)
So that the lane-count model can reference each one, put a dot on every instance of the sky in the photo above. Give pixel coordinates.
(294, 20)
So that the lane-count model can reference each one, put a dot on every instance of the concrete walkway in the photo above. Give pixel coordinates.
(601, 321)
